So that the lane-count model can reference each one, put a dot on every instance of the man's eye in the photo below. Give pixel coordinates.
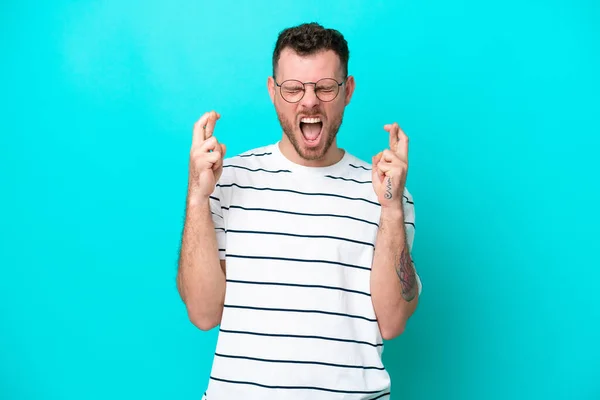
(325, 88)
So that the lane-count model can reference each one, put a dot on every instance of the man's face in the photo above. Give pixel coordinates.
(311, 124)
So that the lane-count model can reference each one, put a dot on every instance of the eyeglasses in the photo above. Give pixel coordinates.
(293, 91)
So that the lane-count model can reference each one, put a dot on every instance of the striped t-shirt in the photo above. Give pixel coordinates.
(298, 321)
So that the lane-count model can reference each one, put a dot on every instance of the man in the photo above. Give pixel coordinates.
(299, 250)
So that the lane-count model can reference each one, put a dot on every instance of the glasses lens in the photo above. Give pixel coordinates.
(327, 89)
(292, 91)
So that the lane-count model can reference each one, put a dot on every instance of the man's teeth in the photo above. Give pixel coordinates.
(310, 120)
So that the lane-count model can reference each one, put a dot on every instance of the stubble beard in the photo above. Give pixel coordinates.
(330, 131)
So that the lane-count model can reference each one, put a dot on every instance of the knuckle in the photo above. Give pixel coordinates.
(196, 155)
(202, 118)
(195, 160)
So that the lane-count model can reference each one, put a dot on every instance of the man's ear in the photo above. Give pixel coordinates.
(349, 86)
(271, 88)
(349, 89)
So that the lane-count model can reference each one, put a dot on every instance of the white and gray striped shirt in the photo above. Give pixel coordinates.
(298, 321)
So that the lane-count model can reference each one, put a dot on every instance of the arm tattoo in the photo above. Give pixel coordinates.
(406, 273)
(388, 188)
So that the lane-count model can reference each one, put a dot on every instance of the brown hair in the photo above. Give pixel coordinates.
(311, 38)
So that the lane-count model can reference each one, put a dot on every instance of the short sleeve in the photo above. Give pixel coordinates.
(216, 211)
(409, 227)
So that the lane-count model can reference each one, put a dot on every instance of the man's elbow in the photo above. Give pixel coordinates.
(202, 321)
(392, 332)
(395, 326)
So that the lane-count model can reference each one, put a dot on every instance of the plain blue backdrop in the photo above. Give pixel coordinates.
(500, 101)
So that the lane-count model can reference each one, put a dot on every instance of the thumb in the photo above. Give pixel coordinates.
(219, 164)
(376, 173)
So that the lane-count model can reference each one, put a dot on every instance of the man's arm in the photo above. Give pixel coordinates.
(394, 289)
(394, 282)
(201, 275)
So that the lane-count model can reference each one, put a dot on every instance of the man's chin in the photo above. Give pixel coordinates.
(312, 154)
(310, 149)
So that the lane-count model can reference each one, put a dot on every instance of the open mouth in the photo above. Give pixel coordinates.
(311, 129)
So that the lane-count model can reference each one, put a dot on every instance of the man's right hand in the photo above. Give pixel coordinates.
(206, 158)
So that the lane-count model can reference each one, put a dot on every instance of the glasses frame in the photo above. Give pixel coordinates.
(314, 88)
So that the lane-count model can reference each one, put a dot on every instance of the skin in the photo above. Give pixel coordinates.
(310, 68)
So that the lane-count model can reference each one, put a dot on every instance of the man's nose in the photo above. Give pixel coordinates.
(310, 99)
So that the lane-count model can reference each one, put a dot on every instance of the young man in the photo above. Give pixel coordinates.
(299, 250)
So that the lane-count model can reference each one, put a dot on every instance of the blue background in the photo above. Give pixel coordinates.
(500, 101)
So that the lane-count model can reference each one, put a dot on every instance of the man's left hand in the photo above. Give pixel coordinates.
(390, 168)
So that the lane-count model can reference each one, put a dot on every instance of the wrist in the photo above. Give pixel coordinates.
(197, 200)
(392, 213)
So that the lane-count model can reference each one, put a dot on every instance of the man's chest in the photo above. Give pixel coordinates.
(320, 219)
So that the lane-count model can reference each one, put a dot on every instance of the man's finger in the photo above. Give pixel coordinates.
(393, 130)
(209, 144)
(377, 158)
(374, 162)
(389, 156)
(219, 161)
(385, 167)
(221, 154)
(212, 159)
(402, 149)
(198, 132)
(210, 123)
(204, 127)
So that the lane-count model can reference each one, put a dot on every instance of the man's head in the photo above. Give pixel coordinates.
(310, 115)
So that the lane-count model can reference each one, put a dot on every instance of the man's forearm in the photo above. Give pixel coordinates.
(200, 278)
(393, 277)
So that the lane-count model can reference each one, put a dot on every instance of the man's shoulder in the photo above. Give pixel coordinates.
(355, 168)
(250, 154)
(356, 163)
(243, 164)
